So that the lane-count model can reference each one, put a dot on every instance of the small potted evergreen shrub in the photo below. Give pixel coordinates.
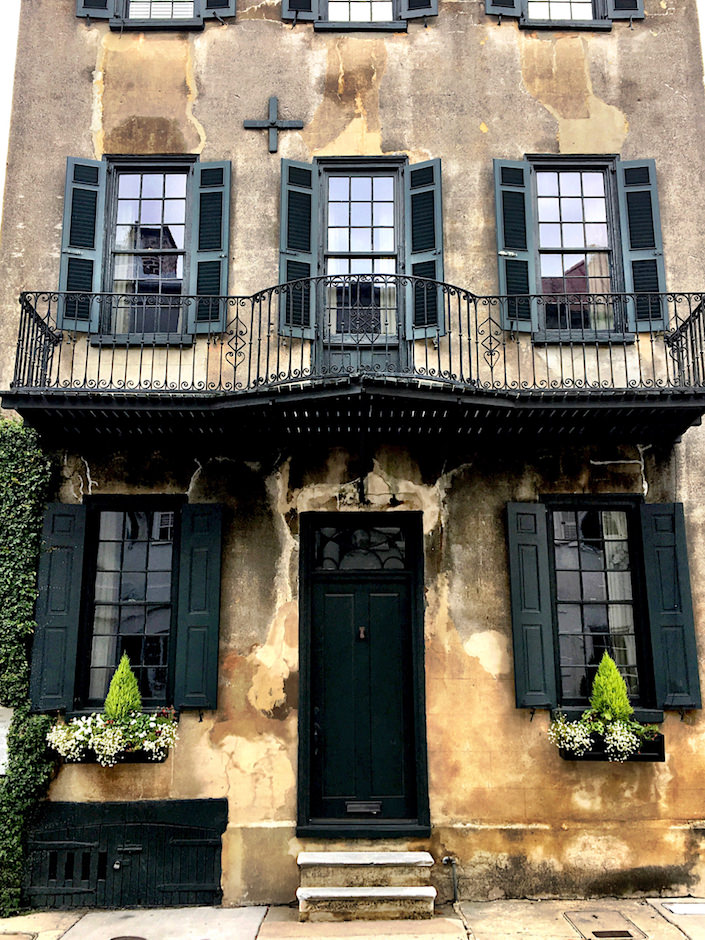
(607, 730)
(121, 732)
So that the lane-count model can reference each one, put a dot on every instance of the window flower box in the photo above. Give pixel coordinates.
(137, 738)
(649, 750)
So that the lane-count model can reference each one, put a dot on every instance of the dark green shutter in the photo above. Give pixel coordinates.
(644, 272)
(410, 9)
(299, 246)
(625, 9)
(515, 243)
(532, 620)
(503, 7)
(96, 9)
(216, 8)
(424, 246)
(300, 9)
(670, 606)
(81, 266)
(198, 614)
(208, 259)
(55, 647)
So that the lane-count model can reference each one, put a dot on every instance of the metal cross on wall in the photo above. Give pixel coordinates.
(273, 125)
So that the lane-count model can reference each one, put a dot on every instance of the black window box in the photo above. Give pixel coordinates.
(650, 751)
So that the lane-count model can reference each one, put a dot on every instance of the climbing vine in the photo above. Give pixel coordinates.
(24, 474)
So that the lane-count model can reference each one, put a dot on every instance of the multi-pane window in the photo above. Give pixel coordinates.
(361, 238)
(131, 605)
(149, 249)
(160, 9)
(559, 10)
(594, 596)
(361, 11)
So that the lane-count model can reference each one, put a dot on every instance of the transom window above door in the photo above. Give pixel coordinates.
(155, 14)
(576, 14)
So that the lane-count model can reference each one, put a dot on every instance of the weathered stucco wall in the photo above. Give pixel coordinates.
(520, 821)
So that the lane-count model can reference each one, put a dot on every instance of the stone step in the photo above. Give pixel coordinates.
(359, 869)
(368, 903)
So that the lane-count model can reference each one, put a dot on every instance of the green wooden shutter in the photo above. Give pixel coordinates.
(299, 246)
(410, 9)
(55, 647)
(208, 257)
(96, 9)
(642, 246)
(503, 7)
(625, 9)
(516, 250)
(670, 606)
(300, 10)
(198, 614)
(82, 238)
(532, 618)
(212, 9)
(424, 247)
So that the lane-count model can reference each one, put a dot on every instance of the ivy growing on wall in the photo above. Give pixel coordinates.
(24, 474)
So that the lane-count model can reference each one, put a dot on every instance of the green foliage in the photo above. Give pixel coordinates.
(609, 698)
(24, 474)
(123, 695)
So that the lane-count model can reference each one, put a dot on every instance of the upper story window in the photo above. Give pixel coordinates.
(155, 14)
(579, 245)
(576, 14)
(358, 14)
(142, 239)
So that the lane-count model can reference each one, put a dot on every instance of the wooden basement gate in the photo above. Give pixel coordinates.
(163, 853)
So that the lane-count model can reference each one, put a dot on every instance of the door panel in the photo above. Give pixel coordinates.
(362, 699)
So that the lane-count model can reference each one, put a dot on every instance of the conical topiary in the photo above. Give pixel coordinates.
(609, 692)
(123, 695)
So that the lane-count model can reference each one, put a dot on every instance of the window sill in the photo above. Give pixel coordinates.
(581, 338)
(647, 716)
(142, 339)
(395, 26)
(119, 25)
(602, 25)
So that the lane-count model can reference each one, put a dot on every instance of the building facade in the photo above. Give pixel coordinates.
(374, 432)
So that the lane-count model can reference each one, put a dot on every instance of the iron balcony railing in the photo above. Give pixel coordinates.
(395, 326)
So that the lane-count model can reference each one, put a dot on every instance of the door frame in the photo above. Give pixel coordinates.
(412, 524)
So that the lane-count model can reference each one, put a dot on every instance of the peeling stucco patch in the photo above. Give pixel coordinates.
(556, 72)
(492, 649)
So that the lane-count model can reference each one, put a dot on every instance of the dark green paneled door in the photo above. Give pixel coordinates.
(363, 755)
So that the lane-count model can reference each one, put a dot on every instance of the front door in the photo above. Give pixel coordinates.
(365, 760)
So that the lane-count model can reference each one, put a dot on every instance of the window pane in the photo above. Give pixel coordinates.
(339, 188)
(361, 188)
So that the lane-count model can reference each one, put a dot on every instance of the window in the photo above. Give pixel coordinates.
(579, 587)
(155, 14)
(148, 234)
(581, 233)
(358, 14)
(137, 575)
(588, 14)
(362, 222)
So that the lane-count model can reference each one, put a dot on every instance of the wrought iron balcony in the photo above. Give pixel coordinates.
(389, 336)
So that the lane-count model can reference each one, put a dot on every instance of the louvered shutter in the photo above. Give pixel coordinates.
(300, 10)
(515, 244)
(214, 8)
(96, 9)
(299, 246)
(532, 618)
(644, 272)
(198, 612)
(55, 646)
(670, 606)
(625, 9)
(208, 259)
(424, 246)
(410, 9)
(81, 266)
(503, 7)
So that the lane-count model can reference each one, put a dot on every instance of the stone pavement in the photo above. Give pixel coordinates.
(603, 919)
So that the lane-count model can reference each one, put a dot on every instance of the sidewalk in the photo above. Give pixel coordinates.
(644, 919)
